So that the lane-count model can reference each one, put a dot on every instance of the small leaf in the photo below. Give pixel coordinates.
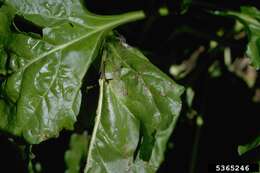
(42, 94)
(182, 70)
(164, 11)
(77, 153)
(242, 69)
(185, 5)
(137, 111)
(199, 121)
(245, 148)
(215, 70)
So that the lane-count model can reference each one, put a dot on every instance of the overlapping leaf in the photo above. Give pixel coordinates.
(41, 95)
(250, 17)
(137, 111)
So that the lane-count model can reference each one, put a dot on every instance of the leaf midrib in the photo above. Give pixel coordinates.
(134, 16)
(97, 122)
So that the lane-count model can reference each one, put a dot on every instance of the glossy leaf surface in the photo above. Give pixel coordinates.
(41, 94)
(138, 108)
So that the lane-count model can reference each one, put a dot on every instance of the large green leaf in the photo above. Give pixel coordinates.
(250, 17)
(137, 111)
(42, 94)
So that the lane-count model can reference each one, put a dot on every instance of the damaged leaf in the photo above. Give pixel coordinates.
(137, 111)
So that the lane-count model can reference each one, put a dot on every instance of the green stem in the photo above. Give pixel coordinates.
(131, 17)
(139, 15)
(195, 150)
(97, 122)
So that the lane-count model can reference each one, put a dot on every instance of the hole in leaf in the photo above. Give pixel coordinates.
(23, 25)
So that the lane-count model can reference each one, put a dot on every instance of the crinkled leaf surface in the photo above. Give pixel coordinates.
(250, 17)
(77, 153)
(245, 148)
(137, 111)
(41, 94)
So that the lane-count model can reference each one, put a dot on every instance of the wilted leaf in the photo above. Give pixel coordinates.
(42, 94)
(137, 111)
(241, 67)
(182, 70)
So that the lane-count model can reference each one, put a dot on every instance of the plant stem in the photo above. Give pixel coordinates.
(97, 122)
(195, 150)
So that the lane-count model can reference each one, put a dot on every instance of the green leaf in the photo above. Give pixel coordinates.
(137, 111)
(245, 148)
(185, 5)
(42, 94)
(250, 17)
(4, 35)
(189, 96)
(215, 69)
(77, 153)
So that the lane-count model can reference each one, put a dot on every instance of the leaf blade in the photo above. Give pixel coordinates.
(41, 96)
(138, 108)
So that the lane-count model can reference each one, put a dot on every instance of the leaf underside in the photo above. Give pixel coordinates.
(137, 111)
